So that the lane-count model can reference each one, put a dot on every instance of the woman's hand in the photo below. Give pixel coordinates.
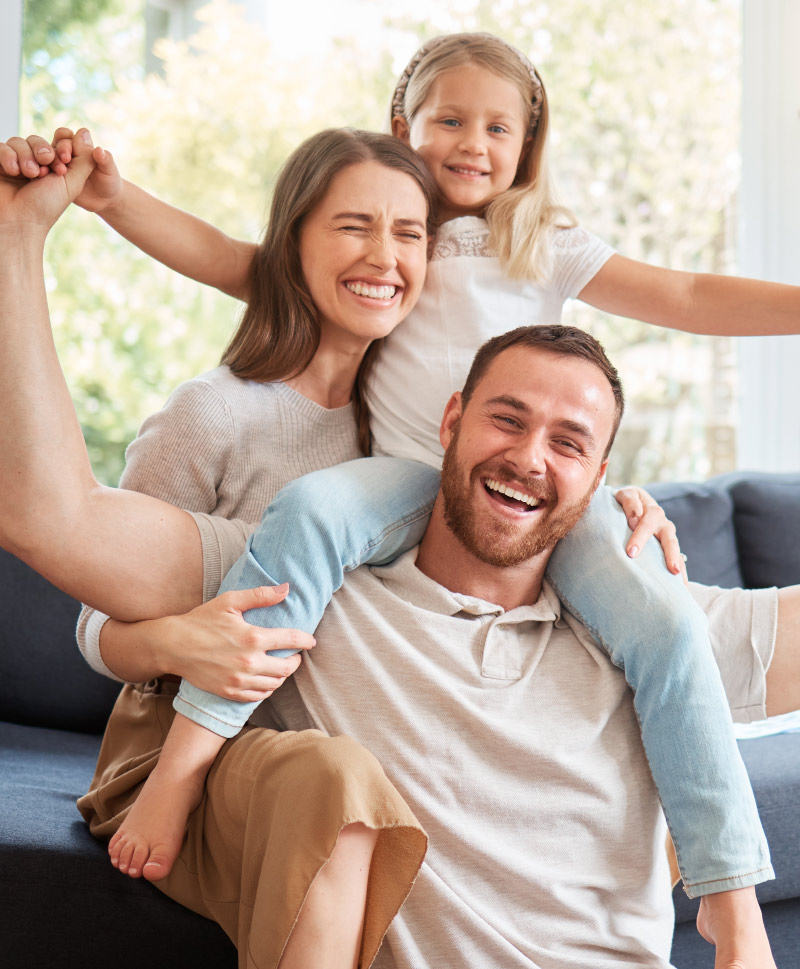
(34, 157)
(647, 519)
(218, 651)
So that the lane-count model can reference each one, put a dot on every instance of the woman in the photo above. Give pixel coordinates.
(276, 869)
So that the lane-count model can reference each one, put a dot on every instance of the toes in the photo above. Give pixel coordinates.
(159, 864)
(138, 857)
(126, 855)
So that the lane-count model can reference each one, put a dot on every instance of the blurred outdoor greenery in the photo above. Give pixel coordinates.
(644, 105)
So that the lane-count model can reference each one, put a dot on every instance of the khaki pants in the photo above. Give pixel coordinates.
(272, 810)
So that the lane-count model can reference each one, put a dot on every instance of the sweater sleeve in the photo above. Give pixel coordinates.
(180, 455)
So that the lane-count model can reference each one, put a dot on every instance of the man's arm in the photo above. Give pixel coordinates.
(127, 554)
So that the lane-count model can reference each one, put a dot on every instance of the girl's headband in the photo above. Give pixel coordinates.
(399, 96)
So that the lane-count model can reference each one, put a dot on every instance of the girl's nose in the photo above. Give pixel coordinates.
(472, 142)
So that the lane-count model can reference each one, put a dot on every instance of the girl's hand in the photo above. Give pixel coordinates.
(646, 518)
(38, 200)
(33, 157)
(218, 651)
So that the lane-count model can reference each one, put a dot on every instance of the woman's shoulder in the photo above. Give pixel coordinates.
(228, 389)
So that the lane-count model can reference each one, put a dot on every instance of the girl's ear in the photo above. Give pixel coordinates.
(400, 128)
(527, 145)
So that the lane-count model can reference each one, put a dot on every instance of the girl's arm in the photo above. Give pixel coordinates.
(695, 302)
(181, 241)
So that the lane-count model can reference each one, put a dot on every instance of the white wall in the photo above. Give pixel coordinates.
(10, 41)
(769, 436)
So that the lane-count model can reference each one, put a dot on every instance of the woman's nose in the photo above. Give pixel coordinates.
(382, 252)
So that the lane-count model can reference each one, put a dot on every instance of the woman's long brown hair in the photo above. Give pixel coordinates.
(280, 328)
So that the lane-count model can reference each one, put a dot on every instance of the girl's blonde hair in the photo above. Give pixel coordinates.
(520, 220)
(280, 330)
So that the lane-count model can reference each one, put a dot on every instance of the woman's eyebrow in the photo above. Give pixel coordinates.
(366, 218)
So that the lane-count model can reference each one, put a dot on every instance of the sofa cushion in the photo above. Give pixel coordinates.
(703, 516)
(61, 902)
(767, 525)
(44, 679)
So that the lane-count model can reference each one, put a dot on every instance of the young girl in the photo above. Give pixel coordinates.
(476, 111)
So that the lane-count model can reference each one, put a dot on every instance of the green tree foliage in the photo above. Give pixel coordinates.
(644, 108)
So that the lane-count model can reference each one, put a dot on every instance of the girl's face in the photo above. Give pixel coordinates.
(471, 131)
(363, 254)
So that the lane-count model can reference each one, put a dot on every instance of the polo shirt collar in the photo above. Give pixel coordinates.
(403, 579)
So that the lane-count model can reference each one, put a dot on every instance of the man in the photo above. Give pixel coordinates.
(505, 727)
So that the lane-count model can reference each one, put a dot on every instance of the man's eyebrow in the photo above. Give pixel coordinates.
(506, 400)
(367, 219)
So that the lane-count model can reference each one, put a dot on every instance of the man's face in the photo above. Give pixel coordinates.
(524, 457)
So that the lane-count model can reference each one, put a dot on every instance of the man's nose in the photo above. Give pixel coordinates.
(527, 454)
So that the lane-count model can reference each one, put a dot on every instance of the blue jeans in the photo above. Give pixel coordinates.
(370, 510)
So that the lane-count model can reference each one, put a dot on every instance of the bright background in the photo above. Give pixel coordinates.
(200, 104)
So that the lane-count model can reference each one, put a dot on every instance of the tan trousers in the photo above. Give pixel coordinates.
(273, 808)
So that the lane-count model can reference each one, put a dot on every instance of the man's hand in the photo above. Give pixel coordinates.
(647, 519)
(28, 200)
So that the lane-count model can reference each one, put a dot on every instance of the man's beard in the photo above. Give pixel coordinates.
(505, 545)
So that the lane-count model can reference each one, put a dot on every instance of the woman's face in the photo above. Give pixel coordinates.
(363, 253)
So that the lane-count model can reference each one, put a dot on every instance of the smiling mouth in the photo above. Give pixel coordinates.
(371, 292)
(512, 497)
(467, 171)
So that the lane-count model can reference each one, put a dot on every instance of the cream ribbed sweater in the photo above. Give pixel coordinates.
(223, 447)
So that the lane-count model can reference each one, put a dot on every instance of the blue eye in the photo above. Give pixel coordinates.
(497, 129)
(450, 122)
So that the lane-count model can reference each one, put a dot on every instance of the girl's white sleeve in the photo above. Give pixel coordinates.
(180, 456)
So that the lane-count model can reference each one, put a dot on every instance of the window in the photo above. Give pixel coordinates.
(644, 102)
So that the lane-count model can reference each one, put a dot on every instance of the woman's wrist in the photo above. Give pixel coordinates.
(137, 651)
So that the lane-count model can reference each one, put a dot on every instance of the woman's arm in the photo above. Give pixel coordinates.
(212, 646)
(181, 241)
(125, 553)
(695, 302)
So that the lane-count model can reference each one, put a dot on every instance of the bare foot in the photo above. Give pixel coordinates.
(149, 839)
(732, 922)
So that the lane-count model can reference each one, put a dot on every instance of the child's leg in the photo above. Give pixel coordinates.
(149, 839)
(317, 528)
(652, 629)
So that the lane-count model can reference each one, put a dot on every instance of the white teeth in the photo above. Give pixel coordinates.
(505, 490)
(373, 292)
(466, 171)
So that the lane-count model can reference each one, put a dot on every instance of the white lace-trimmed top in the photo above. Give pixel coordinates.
(467, 298)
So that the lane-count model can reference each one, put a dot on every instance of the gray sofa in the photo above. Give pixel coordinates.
(63, 906)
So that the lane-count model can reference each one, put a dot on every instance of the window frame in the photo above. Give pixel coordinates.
(768, 433)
